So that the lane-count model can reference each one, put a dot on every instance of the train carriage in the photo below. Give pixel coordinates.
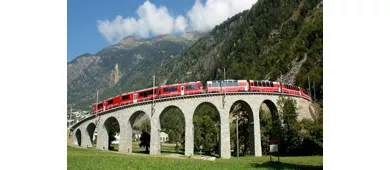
(304, 94)
(213, 86)
(97, 108)
(127, 98)
(264, 86)
(113, 102)
(193, 88)
(146, 94)
(235, 86)
(171, 90)
(290, 89)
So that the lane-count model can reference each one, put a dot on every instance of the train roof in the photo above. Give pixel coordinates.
(181, 83)
(150, 88)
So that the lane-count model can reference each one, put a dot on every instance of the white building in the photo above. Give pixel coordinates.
(163, 137)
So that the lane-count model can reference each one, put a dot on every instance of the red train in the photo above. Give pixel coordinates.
(191, 88)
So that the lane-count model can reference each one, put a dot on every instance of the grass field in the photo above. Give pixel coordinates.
(80, 158)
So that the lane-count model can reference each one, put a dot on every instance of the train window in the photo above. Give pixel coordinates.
(230, 83)
(110, 101)
(127, 97)
(170, 89)
(272, 84)
(143, 94)
(235, 83)
(100, 105)
(262, 84)
(200, 86)
(189, 87)
(255, 83)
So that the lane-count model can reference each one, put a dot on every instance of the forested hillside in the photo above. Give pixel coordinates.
(125, 66)
(274, 40)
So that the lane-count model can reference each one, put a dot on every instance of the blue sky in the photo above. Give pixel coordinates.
(94, 24)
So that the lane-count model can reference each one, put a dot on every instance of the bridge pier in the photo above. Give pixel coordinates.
(102, 140)
(255, 130)
(74, 138)
(189, 137)
(85, 140)
(126, 138)
(225, 152)
(155, 136)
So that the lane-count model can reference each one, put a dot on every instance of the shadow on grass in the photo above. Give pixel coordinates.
(172, 152)
(142, 152)
(280, 165)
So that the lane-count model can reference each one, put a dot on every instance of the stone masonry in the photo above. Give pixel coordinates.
(187, 105)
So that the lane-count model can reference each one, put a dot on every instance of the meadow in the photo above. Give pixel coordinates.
(82, 158)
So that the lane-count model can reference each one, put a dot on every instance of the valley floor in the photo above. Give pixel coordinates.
(81, 158)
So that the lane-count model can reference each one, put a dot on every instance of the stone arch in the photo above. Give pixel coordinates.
(275, 119)
(178, 121)
(78, 137)
(133, 121)
(249, 125)
(270, 123)
(111, 126)
(218, 118)
(272, 106)
(90, 131)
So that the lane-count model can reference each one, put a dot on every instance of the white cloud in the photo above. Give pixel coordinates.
(158, 20)
(151, 21)
(180, 23)
(154, 20)
(204, 17)
(121, 27)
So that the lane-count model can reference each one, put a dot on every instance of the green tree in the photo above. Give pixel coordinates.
(145, 126)
(173, 123)
(145, 140)
(206, 134)
(265, 129)
(312, 131)
(290, 136)
(206, 129)
(113, 129)
(145, 135)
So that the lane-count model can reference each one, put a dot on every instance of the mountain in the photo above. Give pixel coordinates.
(274, 40)
(125, 66)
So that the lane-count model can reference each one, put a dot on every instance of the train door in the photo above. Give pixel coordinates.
(280, 87)
(135, 98)
(104, 106)
(246, 86)
(182, 90)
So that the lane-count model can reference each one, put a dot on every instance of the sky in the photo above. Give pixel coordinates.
(95, 24)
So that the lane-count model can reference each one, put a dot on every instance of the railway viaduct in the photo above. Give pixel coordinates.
(83, 131)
